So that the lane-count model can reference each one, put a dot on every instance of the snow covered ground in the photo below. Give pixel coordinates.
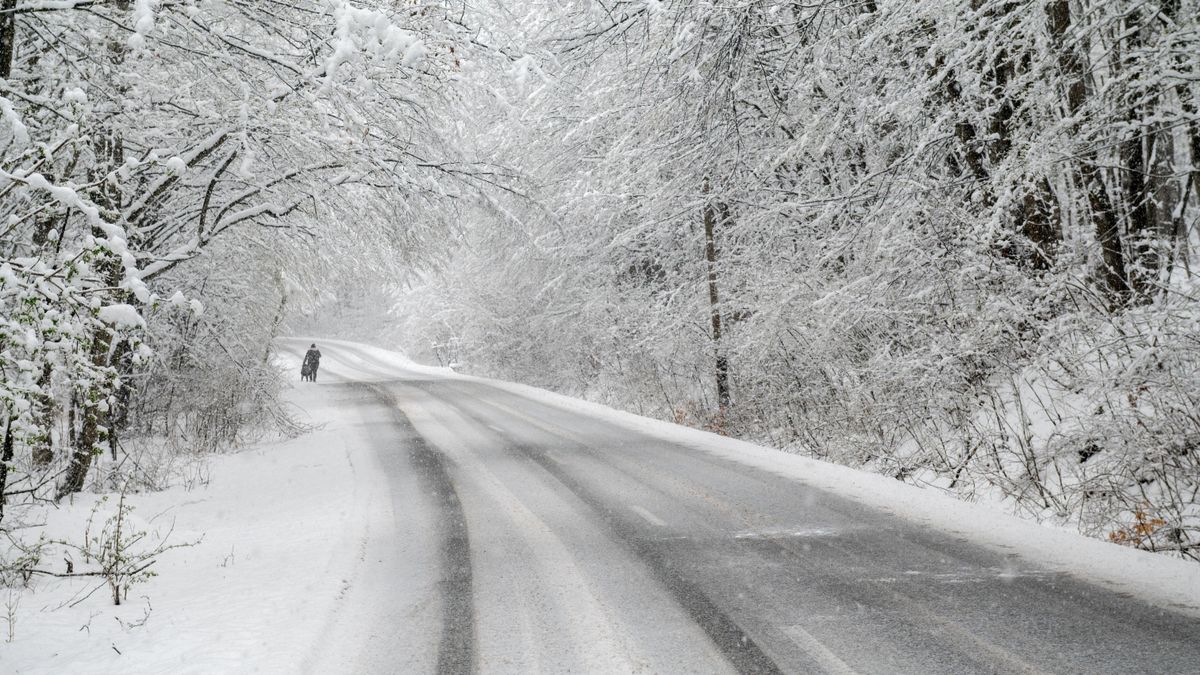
(296, 539)
(286, 535)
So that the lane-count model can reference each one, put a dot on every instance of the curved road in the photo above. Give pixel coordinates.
(534, 539)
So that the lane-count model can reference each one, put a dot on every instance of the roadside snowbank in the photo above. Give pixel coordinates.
(282, 528)
(1163, 581)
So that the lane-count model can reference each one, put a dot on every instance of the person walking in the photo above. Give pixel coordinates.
(312, 360)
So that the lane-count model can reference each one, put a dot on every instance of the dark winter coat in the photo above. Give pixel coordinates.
(312, 359)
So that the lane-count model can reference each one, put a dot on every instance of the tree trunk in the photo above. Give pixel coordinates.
(44, 409)
(1147, 233)
(1041, 223)
(1070, 63)
(8, 36)
(1140, 228)
(1034, 221)
(714, 301)
(1193, 135)
(110, 151)
(1179, 230)
(118, 413)
(84, 450)
(1179, 250)
(1104, 216)
(280, 315)
(1108, 235)
(1142, 231)
(6, 455)
(1166, 195)
(86, 442)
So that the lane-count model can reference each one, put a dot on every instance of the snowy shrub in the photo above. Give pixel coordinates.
(120, 549)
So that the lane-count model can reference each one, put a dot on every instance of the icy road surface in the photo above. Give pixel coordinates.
(532, 538)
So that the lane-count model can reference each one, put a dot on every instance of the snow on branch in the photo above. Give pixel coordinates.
(19, 131)
(143, 22)
(370, 32)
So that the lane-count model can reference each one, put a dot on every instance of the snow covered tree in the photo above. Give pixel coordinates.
(949, 240)
(138, 134)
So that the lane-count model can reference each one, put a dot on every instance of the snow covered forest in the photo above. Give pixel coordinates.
(949, 241)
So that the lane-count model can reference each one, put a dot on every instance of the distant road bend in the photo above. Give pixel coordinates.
(556, 542)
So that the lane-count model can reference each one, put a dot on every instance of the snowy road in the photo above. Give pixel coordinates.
(531, 538)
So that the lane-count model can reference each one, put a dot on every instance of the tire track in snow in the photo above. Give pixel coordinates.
(456, 648)
(742, 651)
(738, 647)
